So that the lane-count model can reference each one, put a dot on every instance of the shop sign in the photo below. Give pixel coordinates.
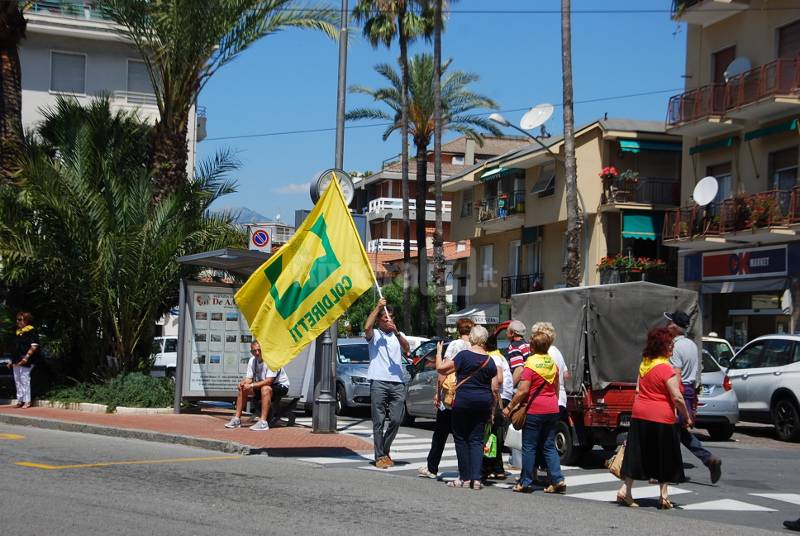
(769, 261)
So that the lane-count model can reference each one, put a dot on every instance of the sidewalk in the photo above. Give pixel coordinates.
(201, 428)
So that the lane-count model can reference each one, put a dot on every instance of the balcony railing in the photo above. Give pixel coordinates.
(650, 191)
(388, 245)
(778, 77)
(396, 205)
(77, 9)
(775, 208)
(501, 207)
(518, 284)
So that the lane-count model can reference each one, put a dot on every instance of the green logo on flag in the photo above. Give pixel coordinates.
(321, 269)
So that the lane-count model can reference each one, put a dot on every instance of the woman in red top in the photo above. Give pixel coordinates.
(653, 448)
(538, 388)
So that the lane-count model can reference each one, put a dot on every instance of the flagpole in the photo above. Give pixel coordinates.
(324, 416)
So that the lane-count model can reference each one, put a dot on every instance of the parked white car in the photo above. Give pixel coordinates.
(165, 356)
(765, 374)
(717, 405)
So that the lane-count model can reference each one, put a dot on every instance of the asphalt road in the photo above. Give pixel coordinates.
(66, 483)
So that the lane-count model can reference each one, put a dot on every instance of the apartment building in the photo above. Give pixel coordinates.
(738, 117)
(512, 208)
(73, 50)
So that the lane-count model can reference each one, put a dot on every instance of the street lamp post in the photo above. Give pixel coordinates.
(500, 120)
(324, 416)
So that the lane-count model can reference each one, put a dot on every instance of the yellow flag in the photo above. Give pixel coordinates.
(308, 283)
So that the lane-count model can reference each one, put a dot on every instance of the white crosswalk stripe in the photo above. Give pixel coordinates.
(791, 498)
(727, 504)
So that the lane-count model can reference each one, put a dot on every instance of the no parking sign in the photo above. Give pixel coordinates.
(260, 238)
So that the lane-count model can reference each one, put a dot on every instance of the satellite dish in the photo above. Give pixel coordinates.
(536, 116)
(705, 191)
(738, 66)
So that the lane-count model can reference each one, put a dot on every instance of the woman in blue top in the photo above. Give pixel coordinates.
(477, 394)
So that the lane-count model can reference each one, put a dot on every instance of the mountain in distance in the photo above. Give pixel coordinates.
(244, 215)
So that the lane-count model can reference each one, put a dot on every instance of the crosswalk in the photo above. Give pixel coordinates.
(410, 451)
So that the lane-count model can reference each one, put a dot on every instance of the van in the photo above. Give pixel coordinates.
(164, 356)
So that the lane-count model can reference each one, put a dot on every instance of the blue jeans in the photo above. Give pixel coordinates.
(540, 430)
(688, 439)
(468, 425)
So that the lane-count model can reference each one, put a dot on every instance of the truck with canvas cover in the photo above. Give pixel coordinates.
(601, 331)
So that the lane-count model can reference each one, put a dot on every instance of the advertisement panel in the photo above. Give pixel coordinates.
(768, 261)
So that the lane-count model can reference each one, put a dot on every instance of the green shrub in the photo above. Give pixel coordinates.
(132, 390)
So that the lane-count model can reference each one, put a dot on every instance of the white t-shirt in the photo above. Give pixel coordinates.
(507, 389)
(454, 347)
(562, 366)
(258, 371)
(385, 357)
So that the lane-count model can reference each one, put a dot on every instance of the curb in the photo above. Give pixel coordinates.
(88, 407)
(229, 447)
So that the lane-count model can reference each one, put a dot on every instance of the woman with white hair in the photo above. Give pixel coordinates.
(477, 390)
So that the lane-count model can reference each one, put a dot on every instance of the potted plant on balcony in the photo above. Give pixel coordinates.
(764, 211)
(741, 212)
(653, 269)
(629, 180)
(609, 177)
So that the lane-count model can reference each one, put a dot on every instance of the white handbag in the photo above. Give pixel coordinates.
(513, 438)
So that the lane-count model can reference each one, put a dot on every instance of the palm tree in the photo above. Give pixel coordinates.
(83, 237)
(572, 268)
(184, 43)
(383, 20)
(457, 101)
(438, 235)
(12, 32)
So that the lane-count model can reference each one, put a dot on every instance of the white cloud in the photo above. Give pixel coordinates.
(293, 188)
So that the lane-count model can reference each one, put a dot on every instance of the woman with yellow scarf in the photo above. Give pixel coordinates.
(653, 448)
(538, 389)
(23, 360)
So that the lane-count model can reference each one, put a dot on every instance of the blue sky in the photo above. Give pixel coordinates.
(287, 82)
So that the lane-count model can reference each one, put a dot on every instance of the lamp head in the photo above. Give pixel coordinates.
(499, 119)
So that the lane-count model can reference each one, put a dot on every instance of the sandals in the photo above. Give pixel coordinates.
(457, 484)
(498, 475)
(624, 501)
(665, 504)
(476, 485)
(559, 487)
(519, 488)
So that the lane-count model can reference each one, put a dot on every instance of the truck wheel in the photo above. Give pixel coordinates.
(341, 399)
(786, 417)
(565, 444)
(720, 432)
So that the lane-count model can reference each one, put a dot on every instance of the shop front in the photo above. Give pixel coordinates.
(749, 292)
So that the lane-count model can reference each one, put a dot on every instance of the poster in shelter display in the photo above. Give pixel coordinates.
(219, 340)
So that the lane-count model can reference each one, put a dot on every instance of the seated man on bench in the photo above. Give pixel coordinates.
(259, 379)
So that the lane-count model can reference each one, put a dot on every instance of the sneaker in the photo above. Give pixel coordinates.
(260, 426)
(792, 525)
(383, 462)
(423, 472)
(234, 423)
(715, 468)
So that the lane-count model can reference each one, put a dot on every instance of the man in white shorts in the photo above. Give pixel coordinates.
(259, 378)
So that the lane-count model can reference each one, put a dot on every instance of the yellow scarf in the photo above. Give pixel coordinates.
(648, 363)
(24, 330)
(543, 365)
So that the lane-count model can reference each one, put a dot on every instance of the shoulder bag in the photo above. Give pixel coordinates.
(518, 415)
(451, 388)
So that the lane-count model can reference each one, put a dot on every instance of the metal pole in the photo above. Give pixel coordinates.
(324, 417)
(183, 311)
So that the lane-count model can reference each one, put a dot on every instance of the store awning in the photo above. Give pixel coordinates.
(787, 126)
(719, 144)
(752, 285)
(642, 225)
(635, 146)
(500, 172)
(481, 313)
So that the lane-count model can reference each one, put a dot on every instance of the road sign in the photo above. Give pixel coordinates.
(260, 238)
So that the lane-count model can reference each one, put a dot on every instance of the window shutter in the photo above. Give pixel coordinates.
(68, 72)
(789, 40)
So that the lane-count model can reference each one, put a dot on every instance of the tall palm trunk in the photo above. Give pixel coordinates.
(403, 38)
(12, 31)
(170, 153)
(422, 252)
(438, 235)
(572, 268)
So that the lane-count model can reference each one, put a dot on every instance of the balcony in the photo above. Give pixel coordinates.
(518, 284)
(649, 193)
(379, 208)
(75, 9)
(388, 245)
(706, 12)
(502, 213)
(765, 217)
(766, 91)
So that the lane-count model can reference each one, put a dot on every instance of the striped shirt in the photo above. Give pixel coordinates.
(518, 352)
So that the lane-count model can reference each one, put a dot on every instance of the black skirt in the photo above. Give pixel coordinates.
(653, 451)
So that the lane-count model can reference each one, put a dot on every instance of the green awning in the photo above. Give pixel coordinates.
(642, 225)
(788, 126)
(635, 146)
(500, 172)
(719, 144)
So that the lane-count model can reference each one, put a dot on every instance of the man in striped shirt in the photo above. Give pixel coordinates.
(518, 350)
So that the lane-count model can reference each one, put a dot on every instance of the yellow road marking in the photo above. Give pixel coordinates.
(130, 462)
(11, 436)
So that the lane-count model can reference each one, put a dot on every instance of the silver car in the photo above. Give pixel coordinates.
(419, 399)
(717, 405)
(352, 385)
